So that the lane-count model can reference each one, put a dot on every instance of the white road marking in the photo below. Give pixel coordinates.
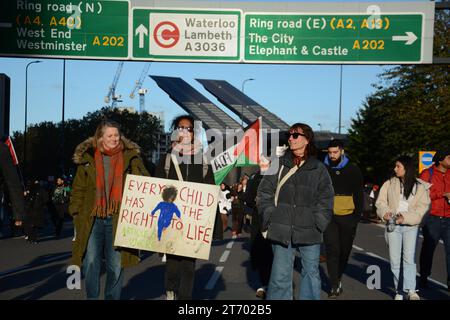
(224, 256)
(377, 256)
(215, 276)
(230, 244)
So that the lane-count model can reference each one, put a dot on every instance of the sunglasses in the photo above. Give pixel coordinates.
(295, 135)
(185, 129)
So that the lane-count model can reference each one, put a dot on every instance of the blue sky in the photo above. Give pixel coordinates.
(296, 93)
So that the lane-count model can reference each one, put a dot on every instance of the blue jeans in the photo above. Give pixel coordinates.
(403, 239)
(101, 242)
(280, 284)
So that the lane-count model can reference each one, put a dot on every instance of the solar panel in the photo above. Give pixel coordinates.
(241, 104)
(195, 103)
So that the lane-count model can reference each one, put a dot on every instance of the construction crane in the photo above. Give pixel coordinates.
(112, 89)
(138, 87)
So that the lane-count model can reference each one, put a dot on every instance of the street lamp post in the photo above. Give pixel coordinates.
(62, 155)
(242, 106)
(26, 113)
(340, 101)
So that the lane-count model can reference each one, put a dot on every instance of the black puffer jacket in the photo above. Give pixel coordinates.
(305, 203)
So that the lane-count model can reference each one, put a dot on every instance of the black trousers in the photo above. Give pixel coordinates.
(31, 231)
(237, 215)
(180, 272)
(57, 212)
(338, 238)
(261, 257)
(434, 229)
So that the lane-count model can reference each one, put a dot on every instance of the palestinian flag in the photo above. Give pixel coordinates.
(10, 145)
(245, 153)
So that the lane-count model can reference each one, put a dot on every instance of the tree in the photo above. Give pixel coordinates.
(50, 155)
(409, 112)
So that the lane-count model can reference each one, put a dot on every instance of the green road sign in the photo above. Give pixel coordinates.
(333, 38)
(273, 32)
(187, 35)
(45, 28)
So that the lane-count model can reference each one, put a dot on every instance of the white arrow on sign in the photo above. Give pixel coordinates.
(410, 38)
(141, 30)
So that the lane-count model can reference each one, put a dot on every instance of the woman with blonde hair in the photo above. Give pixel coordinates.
(103, 162)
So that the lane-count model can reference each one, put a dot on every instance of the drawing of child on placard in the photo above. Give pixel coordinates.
(167, 209)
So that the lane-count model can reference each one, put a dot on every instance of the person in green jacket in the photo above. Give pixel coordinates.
(103, 162)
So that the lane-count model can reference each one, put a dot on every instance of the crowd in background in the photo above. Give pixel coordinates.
(308, 209)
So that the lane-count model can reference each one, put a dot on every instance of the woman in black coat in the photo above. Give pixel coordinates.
(180, 270)
(296, 205)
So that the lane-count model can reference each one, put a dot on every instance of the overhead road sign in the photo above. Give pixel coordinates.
(333, 38)
(64, 28)
(220, 31)
(311, 33)
(199, 35)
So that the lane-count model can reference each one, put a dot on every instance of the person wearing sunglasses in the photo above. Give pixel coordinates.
(348, 207)
(295, 206)
(184, 162)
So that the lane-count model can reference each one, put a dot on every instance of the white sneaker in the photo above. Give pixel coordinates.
(412, 295)
(164, 259)
(170, 295)
(398, 296)
(261, 293)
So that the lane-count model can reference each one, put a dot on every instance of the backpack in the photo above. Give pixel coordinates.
(425, 217)
(430, 170)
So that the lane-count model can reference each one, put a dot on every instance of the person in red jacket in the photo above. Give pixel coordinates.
(437, 224)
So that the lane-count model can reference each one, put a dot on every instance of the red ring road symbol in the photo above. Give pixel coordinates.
(166, 34)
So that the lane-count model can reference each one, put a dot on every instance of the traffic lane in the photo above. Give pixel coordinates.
(370, 249)
(240, 281)
(35, 271)
(371, 237)
(232, 277)
(39, 272)
(226, 275)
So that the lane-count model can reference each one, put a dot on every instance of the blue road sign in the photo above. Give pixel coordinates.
(427, 159)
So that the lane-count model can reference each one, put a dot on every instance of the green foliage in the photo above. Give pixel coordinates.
(49, 152)
(409, 112)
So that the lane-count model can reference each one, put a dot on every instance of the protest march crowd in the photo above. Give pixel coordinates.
(297, 209)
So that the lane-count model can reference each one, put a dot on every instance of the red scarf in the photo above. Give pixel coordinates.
(297, 160)
(115, 178)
